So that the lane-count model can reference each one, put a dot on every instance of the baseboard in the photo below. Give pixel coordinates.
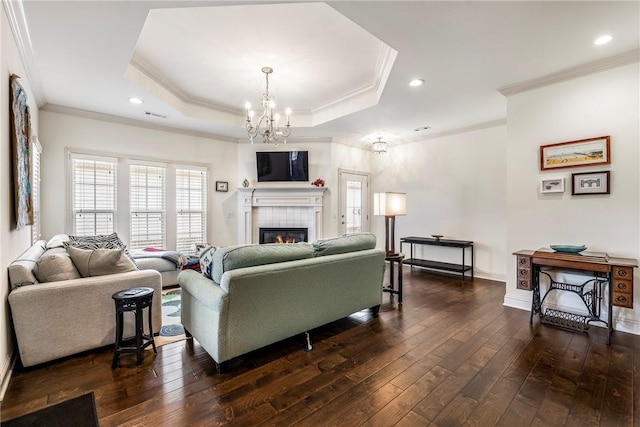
(7, 372)
(620, 323)
(490, 276)
(515, 302)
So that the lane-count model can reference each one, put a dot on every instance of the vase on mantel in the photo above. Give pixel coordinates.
(245, 183)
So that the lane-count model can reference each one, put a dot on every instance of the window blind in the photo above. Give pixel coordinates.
(93, 187)
(191, 208)
(147, 185)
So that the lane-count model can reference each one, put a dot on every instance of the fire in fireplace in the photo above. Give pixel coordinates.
(283, 235)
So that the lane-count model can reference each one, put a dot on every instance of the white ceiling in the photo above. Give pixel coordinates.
(335, 63)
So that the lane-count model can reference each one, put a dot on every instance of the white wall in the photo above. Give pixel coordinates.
(601, 104)
(456, 187)
(12, 242)
(60, 131)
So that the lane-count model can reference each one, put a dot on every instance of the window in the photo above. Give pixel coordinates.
(93, 194)
(147, 191)
(36, 152)
(191, 208)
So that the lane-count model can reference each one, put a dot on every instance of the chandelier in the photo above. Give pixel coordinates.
(379, 146)
(267, 126)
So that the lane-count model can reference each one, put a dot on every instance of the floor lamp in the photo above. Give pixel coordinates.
(390, 205)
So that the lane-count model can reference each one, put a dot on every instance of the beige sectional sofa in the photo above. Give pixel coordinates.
(70, 314)
(257, 295)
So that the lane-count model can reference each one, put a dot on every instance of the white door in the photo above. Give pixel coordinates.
(353, 206)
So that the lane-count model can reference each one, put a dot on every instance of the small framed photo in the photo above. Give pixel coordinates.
(590, 183)
(222, 186)
(584, 152)
(555, 185)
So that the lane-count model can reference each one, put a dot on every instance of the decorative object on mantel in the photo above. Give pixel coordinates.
(318, 182)
(390, 205)
(569, 249)
(272, 133)
(245, 183)
(222, 186)
(583, 152)
(590, 183)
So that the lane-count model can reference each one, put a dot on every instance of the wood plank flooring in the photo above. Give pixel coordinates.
(452, 355)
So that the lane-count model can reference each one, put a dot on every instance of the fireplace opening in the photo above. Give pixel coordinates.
(282, 235)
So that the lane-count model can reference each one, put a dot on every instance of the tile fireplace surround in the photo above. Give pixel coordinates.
(279, 207)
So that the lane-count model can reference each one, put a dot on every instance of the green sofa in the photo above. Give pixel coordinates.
(260, 294)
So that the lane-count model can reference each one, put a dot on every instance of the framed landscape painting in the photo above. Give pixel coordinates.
(583, 152)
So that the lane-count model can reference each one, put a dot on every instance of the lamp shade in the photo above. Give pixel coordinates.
(390, 204)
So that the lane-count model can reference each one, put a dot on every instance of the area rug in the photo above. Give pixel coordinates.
(79, 411)
(171, 329)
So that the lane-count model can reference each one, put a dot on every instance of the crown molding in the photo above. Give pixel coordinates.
(58, 109)
(169, 85)
(471, 128)
(593, 67)
(20, 30)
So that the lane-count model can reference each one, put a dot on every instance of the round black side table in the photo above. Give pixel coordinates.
(394, 259)
(133, 300)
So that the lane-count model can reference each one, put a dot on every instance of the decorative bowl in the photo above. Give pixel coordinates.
(569, 249)
(437, 236)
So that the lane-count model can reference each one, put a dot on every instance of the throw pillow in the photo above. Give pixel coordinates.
(100, 262)
(55, 267)
(344, 244)
(206, 260)
(100, 241)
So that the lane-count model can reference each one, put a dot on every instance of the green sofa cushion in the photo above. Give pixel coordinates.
(344, 244)
(240, 256)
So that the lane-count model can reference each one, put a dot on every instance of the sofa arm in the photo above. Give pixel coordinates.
(56, 319)
(203, 289)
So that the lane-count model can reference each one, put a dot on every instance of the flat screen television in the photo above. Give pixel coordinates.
(280, 166)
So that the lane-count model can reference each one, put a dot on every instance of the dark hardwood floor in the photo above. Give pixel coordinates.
(451, 355)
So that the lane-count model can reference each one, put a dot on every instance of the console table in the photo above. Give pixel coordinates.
(614, 273)
(437, 265)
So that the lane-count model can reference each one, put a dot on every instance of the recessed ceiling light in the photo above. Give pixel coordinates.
(416, 82)
(135, 100)
(603, 40)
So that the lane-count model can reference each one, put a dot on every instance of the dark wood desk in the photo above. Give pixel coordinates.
(614, 273)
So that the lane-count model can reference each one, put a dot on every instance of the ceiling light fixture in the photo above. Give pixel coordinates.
(135, 100)
(603, 40)
(271, 133)
(416, 82)
(379, 146)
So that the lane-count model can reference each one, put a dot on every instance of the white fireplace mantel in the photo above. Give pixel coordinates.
(252, 198)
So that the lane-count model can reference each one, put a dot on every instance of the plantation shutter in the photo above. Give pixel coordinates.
(147, 206)
(191, 208)
(93, 188)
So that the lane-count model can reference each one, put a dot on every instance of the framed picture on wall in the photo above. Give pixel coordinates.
(590, 183)
(583, 152)
(555, 185)
(222, 186)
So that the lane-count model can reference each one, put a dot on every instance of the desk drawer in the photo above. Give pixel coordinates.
(524, 262)
(624, 286)
(622, 272)
(622, 299)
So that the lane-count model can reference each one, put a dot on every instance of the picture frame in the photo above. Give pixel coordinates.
(222, 186)
(583, 152)
(590, 183)
(552, 185)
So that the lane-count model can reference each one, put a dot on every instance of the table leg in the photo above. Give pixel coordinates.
(400, 282)
(139, 332)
